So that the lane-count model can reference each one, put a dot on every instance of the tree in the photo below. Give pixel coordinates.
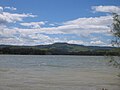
(115, 61)
(116, 30)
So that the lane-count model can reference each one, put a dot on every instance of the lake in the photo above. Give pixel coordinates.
(45, 72)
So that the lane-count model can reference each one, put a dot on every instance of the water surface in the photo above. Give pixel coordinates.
(30, 72)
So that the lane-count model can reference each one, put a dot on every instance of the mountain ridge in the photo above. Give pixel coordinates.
(56, 49)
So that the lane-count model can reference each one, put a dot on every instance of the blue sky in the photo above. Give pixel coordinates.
(28, 22)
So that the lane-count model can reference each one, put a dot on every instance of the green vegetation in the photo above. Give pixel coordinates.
(116, 41)
(57, 49)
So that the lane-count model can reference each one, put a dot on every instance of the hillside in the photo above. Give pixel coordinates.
(56, 49)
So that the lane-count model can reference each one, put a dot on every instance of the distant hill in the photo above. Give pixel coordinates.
(56, 49)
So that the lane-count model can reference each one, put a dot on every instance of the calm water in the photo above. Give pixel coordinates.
(32, 72)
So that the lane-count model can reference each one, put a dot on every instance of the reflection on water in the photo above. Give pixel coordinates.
(56, 73)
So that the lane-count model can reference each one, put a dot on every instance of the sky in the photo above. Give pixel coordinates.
(41, 22)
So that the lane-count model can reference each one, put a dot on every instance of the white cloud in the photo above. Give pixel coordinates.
(80, 27)
(6, 17)
(10, 8)
(87, 26)
(75, 42)
(99, 42)
(33, 24)
(17, 37)
(109, 9)
(51, 24)
(33, 33)
(102, 20)
(1, 9)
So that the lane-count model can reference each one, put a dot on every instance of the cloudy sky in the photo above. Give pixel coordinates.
(34, 22)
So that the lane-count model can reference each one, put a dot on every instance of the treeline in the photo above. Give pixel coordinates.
(38, 51)
(22, 51)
